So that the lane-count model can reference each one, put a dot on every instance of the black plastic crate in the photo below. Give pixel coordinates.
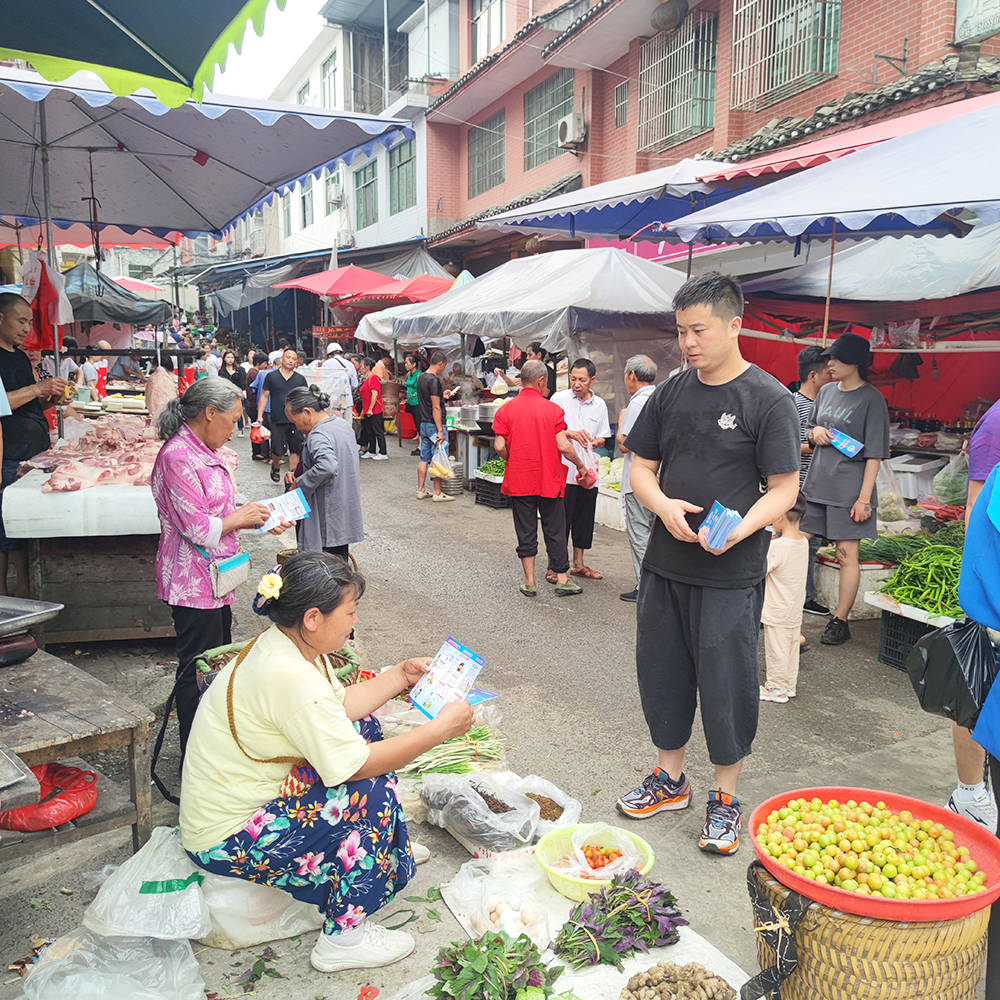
(489, 495)
(899, 636)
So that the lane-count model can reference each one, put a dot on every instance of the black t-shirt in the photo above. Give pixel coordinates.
(279, 387)
(25, 431)
(551, 375)
(429, 385)
(715, 442)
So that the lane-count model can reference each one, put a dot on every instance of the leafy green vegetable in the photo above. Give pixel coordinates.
(457, 755)
(494, 467)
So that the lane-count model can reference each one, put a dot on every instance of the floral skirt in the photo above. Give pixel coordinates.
(345, 849)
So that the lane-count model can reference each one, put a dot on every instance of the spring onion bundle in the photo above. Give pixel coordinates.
(457, 755)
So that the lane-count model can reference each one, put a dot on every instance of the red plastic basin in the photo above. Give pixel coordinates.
(983, 846)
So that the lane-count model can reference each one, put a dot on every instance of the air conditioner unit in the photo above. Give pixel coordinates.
(345, 238)
(334, 196)
(572, 130)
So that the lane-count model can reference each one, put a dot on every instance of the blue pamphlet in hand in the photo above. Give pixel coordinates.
(720, 523)
(845, 444)
(450, 678)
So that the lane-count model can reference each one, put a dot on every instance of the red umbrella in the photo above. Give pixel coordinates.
(418, 289)
(341, 282)
(135, 285)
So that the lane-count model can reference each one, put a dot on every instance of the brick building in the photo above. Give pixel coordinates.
(556, 96)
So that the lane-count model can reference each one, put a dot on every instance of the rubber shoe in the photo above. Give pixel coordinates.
(982, 809)
(568, 589)
(815, 608)
(631, 597)
(422, 494)
(776, 695)
(421, 854)
(836, 632)
(442, 498)
(723, 821)
(657, 793)
(378, 947)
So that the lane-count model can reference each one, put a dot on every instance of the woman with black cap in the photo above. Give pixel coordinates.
(842, 503)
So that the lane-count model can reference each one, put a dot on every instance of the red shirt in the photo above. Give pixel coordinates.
(530, 424)
(371, 386)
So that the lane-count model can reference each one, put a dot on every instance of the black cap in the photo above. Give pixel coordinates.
(851, 350)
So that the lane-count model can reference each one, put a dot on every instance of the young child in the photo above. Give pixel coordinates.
(784, 594)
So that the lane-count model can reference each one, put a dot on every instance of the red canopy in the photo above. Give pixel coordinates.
(418, 289)
(340, 283)
(78, 235)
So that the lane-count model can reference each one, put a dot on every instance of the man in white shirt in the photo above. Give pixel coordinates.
(335, 359)
(68, 367)
(640, 374)
(587, 423)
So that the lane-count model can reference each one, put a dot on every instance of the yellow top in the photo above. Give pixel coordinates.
(283, 706)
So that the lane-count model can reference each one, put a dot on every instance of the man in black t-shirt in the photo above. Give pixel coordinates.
(276, 387)
(716, 431)
(25, 430)
(430, 410)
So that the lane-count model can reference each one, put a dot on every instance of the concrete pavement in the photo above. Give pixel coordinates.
(565, 669)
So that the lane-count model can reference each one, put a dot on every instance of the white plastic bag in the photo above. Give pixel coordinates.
(82, 965)
(455, 803)
(440, 465)
(244, 913)
(156, 893)
(891, 505)
(601, 835)
(951, 484)
(495, 904)
(571, 808)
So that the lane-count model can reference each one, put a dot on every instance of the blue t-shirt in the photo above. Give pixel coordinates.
(258, 383)
(979, 584)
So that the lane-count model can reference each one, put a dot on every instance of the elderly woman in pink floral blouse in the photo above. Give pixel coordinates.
(196, 501)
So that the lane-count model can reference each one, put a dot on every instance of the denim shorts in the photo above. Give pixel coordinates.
(428, 436)
(9, 475)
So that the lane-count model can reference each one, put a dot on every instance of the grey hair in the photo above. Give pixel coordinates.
(642, 367)
(532, 371)
(312, 398)
(206, 392)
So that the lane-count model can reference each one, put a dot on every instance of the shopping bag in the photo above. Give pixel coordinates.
(952, 670)
(64, 794)
(440, 466)
(601, 835)
(951, 484)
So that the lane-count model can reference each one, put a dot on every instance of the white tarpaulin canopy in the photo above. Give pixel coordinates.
(550, 298)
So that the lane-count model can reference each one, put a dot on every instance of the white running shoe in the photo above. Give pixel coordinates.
(773, 694)
(442, 498)
(381, 458)
(982, 809)
(378, 947)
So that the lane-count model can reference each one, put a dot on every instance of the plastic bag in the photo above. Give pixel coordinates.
(952, 670)
(588, 476)
(440, 465)
(87, 966)
(499, 387)
(496, 904)
(571, 808)
(156, 893)
(601, 835)
(64, 794)
(891, 505)
(455, 803)
(244, 913)
(951, 484)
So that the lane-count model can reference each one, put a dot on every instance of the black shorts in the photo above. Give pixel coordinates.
(696, 641)
(285, 438)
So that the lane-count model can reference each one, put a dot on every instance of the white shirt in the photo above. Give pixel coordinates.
(590, 416)
(337, 360)
(66, 367)
(214, 364)
(632, 411)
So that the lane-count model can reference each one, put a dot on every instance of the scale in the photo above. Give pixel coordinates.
(17, 615)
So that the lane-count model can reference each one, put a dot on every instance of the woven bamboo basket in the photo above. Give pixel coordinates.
(845, 957)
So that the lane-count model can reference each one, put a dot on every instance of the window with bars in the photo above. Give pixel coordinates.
(366, 195)
(677, 82)
(402, 176)
(544, 105)
(487, 153)
(302, 97)
(487, 27)
(781, 47)
(286, 213)
(621, 104)
(306, 202)
(328, 81)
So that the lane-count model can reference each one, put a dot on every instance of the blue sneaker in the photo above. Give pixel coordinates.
(723, 820)
(657, 793)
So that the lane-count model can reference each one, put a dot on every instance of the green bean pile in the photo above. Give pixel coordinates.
(928, 579)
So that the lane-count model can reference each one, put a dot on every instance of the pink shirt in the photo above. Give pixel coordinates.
(193, 491)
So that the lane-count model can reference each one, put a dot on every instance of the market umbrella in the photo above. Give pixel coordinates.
(135, 285)
(171, 48)
(78, 234)
(399, 292)
(339, 283)
(96, 298)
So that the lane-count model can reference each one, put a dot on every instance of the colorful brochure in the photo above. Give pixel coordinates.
(290, 506)
(720, 523)
(453, 672)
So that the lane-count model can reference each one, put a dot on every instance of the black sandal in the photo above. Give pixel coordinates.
(275, 475)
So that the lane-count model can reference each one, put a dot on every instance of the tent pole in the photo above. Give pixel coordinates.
(385, 55)
(690, 258)
(829, 284)
(399, 403)
(43, 136)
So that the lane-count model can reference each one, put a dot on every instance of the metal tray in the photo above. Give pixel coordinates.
(18, 614)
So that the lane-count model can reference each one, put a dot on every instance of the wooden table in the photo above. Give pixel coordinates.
(51, 710)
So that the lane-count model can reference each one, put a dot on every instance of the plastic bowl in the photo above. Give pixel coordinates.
(556, 845)
(985, 849)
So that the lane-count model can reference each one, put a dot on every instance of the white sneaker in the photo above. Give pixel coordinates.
(422, 494)
(366, 454)
(982, 809)
(381, 458)
(378, 947)
(441, 498)
(421, 854)
(778, 697)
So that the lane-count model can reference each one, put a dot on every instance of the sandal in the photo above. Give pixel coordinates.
(528, 591)
(551, 576)
(275, 475)
(587, 573)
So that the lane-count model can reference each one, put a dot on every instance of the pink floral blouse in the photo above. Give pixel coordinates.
(193, 491)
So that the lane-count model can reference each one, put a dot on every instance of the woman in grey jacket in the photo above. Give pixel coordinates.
(329, 477)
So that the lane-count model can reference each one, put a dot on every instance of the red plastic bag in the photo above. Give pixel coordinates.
(66, 793)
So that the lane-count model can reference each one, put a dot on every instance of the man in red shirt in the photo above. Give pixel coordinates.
(531, 436)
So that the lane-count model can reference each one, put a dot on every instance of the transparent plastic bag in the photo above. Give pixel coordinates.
(951, 484)
(456, 803)
(244, 913)
(571, 808)
(440, 464)
(601, 835)
(155, 893)
(88, 966)
(496, 904)
(891, 505)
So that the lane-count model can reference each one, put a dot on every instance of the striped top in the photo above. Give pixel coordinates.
(805, 407)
